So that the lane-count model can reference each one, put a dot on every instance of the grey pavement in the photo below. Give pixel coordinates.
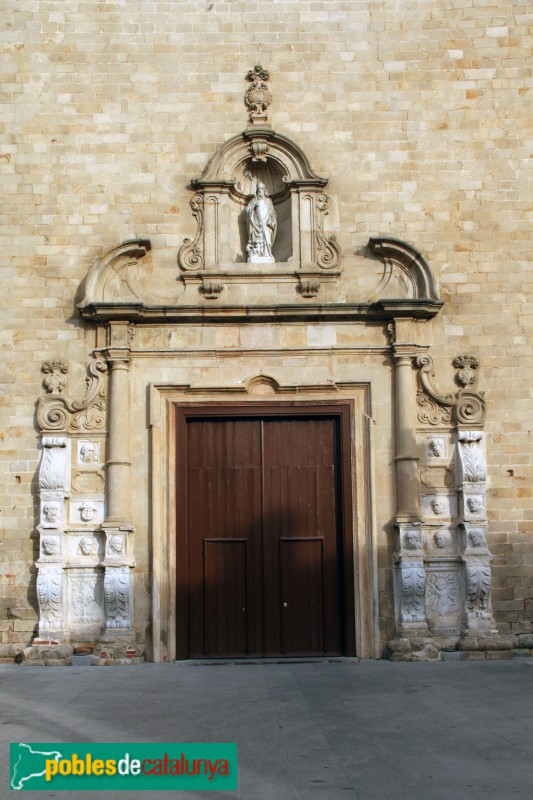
(368, 730)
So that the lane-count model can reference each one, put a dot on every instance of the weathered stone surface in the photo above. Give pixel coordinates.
(470, 656)
(399, 645)
(468, 644)
(525, 640)
(494, 643)
(115, 165)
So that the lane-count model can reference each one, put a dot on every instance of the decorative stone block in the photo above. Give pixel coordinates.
(87, 512)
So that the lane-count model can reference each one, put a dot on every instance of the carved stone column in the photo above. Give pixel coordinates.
(118, 464)
(409, 572)
(407, 472)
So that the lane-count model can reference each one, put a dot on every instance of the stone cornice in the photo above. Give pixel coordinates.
(339, 312)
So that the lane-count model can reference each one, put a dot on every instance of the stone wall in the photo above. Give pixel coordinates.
(417, 112)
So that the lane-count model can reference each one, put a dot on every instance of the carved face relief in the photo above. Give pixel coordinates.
(475, 505)
(438, 506)
(88, 453)
(440, 539)
(476, 538)
(436, 448)
(52, 513)
(87, 512)
(50, 546)
(115, 545)
(411, 541)
(87, 546)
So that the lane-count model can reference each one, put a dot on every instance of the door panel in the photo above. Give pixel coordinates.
(302, 607)
(300, 501)
(224, 503)
(263, 531)
(225, 597)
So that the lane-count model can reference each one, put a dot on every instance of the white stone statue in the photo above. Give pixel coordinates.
(262, 224)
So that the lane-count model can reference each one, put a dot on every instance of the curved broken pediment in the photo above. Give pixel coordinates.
(406, 271)
(115, 276)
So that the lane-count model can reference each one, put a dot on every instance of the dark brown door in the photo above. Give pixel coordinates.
(262, 514)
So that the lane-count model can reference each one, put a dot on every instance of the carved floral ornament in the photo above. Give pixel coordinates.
(56, 412)
(465, 407)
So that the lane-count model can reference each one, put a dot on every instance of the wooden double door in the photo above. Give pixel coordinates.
(265, 564)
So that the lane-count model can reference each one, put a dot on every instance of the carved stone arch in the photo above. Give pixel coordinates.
(262, 386)
(259, 145)
(114, 277)
(416, 273)
(227, 185)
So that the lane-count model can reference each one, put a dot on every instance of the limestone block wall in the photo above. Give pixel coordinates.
(418, 113)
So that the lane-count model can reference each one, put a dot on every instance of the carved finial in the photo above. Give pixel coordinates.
(258, 97)
(55, 371)
(467, 366)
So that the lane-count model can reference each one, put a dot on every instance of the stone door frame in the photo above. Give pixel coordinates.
(163, 400)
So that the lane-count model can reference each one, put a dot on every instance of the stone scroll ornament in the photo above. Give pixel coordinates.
(56, 412)
(328, 252)
(465, 406)
(191, 253)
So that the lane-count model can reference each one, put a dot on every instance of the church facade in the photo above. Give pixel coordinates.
(268, 335)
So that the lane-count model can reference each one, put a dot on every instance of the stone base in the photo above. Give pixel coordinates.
(116, 647)
(85, 661)
(261, 260)
(490, 647)
(413, 649)
(47, 655)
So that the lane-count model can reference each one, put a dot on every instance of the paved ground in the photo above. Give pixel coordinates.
(321, 731)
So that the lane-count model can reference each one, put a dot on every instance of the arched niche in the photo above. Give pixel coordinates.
(226, 186)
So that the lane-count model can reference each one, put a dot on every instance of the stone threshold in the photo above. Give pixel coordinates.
(244, 662)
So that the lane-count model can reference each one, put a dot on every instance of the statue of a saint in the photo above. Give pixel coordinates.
(262, 224)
